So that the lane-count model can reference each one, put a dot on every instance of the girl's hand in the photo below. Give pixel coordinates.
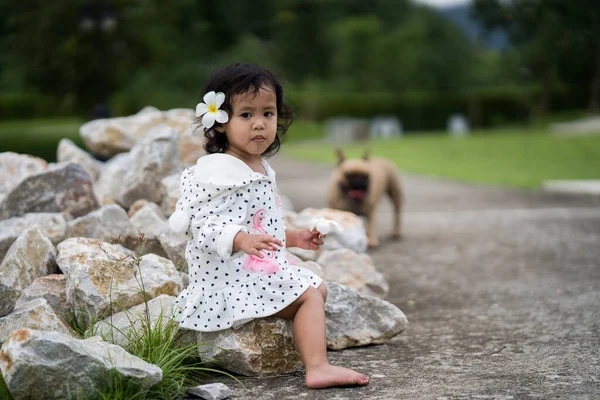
(254, 244)
(307, 239)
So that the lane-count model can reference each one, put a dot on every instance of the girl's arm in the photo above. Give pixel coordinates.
(216, 224)
(303, 238)
(290, 237)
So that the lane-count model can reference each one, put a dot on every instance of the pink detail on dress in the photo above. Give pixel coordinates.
(279, 202)
(291, 262)
(268, 263)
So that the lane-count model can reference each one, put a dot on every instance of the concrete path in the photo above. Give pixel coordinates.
(501, 288)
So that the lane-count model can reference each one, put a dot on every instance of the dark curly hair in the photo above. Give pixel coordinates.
(238, 79)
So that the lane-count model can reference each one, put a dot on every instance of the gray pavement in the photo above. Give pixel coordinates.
(501, 288)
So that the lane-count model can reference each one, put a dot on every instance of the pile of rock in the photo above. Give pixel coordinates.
(69, 246)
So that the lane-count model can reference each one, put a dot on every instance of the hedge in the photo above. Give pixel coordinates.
(430, 111)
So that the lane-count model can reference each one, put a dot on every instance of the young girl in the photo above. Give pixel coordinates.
(232, 216)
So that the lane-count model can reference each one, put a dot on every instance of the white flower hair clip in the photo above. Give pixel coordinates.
(209, 110)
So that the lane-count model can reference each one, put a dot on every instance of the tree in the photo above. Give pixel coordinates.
(425, 52)
(582, 20)
(549, 35)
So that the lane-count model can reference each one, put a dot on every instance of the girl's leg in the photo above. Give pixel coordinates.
(308, 316)
(323, 289)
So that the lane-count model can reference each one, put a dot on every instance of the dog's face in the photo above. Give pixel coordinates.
(354, 180)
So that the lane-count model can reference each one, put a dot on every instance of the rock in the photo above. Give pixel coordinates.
(103, 278)
(15, 167)
(212, 391)
(352, 235)
(261, 347)
(154, 158)
(36, 314)
(32, 255)
(185, 279)
(372, 320)
(69, 152)
(53, 225)
(109, 137)
(137, 206)
(37, 365)
(303, 254)
(53, 289)
(110, 180)
(354, 270)
(66, 188)
(137, 174)
(174, 244)
(169, 188)
(150, 221)
(108, 222)
(106, 137)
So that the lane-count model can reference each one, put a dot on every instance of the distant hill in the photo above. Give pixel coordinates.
(461, 16)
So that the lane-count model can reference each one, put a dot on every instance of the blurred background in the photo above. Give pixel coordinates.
(409, 75)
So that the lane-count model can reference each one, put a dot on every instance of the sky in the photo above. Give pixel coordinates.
(442, 3)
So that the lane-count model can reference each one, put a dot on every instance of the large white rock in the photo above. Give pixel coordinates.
(38, 365)
(137, 174)
(108, 137)
(36, 314)
(69, 152)
(15, 167)
(354, 270)
(65, 188)
(261, 347)
(103, 278)
(53, 225)
(351, 235)
(32, 255)
(354, 319)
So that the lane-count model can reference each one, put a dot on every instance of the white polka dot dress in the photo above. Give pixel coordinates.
(219, 197)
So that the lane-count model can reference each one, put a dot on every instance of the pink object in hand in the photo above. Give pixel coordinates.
(268, 263)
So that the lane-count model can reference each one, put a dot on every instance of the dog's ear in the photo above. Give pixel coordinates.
(340, 155)
(367, 154)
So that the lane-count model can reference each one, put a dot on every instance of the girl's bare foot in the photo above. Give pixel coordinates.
(327, 375)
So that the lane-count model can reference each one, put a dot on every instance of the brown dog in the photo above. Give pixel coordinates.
(358, 186)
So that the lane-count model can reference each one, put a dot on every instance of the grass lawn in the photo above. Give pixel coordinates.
(38, 137)
(512, 157)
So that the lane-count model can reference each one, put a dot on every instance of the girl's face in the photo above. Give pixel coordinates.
(252, 125)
